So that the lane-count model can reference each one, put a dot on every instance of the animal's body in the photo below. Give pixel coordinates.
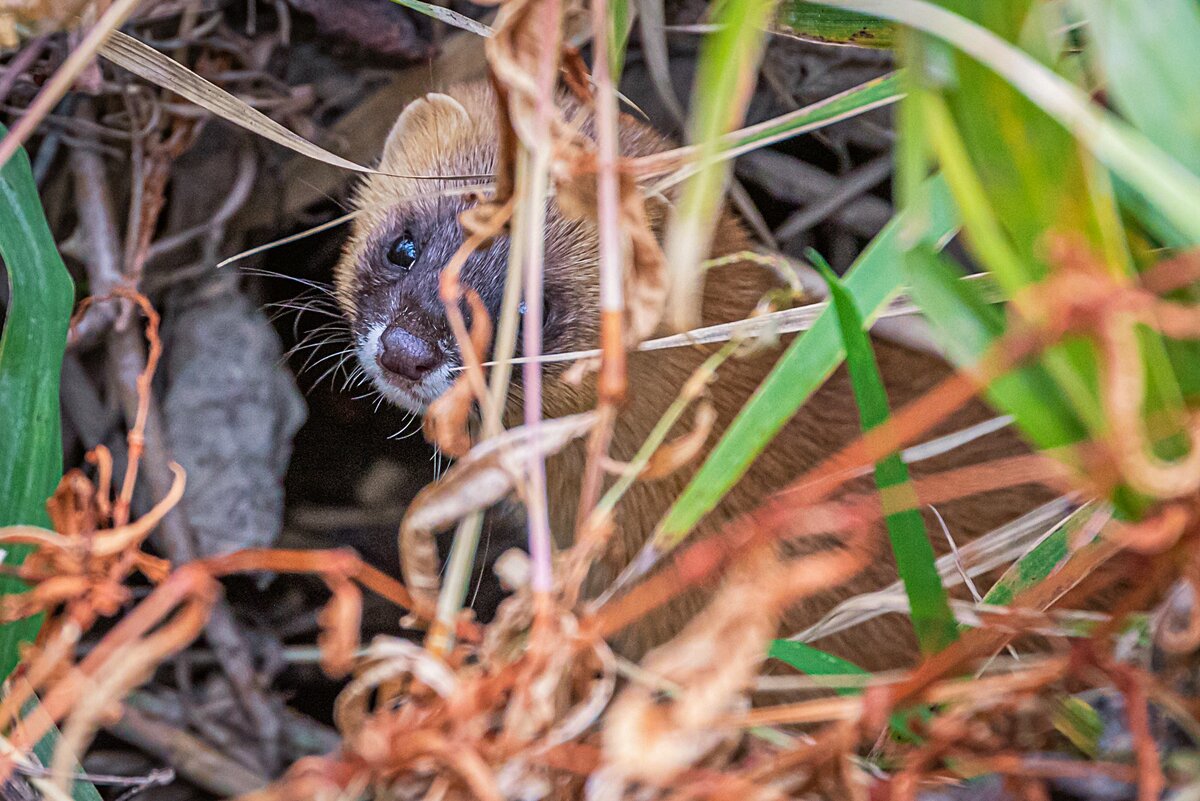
(387, 283)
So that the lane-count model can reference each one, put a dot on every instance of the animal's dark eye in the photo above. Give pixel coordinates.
(545, 309)
(403, 251)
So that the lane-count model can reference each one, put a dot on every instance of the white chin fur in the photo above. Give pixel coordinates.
(413, 396)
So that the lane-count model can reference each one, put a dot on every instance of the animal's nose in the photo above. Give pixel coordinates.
(406, 354)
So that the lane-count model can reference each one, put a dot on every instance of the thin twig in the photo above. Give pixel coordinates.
(127, 361)
(193, 758)
(65, 76)
(19, 63)
(612, 245)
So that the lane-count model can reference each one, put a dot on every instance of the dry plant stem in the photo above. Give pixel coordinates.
(612, 386)
(1151, 781)
(500, 368)
(935, 690)
(169, 620)
(535, 190)
(450, 293)
(137, 435)
(127, 363)
(128, 667)
(192, 757)
(593, 468)
(187, 588)
(440, 637)
(21, 62)
(65, 76)
(99, 224)
(344, 562)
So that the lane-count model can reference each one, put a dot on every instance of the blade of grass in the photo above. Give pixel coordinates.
(875, 279)
(725, 80)
(1044, 557)
(448, 16)
(620, 24)
(966, 326)
(1151, 83)
(814, 23)
(815, 662)
(916, 562)
(161, 70)
(1155, 88)
(872, 94)
(1119, 146)
(81, 789)
(31, 348)
(990, 244)
(1055, 187)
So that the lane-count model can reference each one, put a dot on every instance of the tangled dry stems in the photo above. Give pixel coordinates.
(528, 707)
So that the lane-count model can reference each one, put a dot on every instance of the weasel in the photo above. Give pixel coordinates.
(387, 285)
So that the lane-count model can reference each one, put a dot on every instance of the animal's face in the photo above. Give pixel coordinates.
(387, 280)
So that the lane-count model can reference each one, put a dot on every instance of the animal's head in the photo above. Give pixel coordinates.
(408, 229)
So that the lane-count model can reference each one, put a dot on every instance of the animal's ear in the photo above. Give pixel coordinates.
(427, 120)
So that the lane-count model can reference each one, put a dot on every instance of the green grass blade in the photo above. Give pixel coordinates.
(31, 348)
(876, 278)
(81, 789)
(867, 96)
(1080, 723)
(1041, 560)
(929, 607)
(966, 325)
(620, 24)
(725, 77)
(815, 662)
(1112, 141)
(816, 23)
(1014, 196)
(1152, 83)
(1151, 219)
(983, 229)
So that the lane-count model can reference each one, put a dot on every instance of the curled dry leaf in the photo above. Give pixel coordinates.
(447, 419)
(677, 453)
(645, 279)
(652, 738)
(1083, 296)
(1124, 387)
(539, 699)
(386, 660)
(487, 474)
(339, 622)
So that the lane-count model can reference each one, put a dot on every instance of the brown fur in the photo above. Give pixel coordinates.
(444, 140)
